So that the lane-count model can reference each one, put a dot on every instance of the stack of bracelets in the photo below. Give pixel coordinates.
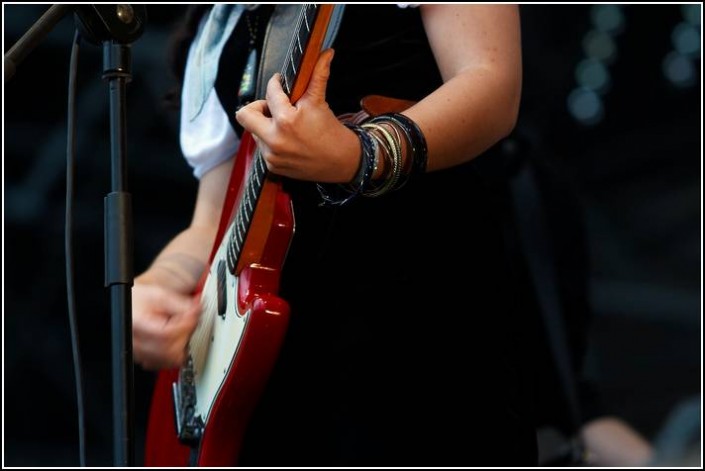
(381, 142)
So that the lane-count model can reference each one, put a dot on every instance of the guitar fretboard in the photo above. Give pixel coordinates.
(258, 171)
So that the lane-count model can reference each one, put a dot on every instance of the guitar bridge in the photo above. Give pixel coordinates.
(189, 427)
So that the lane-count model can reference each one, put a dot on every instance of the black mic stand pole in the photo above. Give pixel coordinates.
(118, 254)
(116, 26)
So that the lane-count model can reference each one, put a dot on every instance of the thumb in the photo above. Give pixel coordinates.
(319, 79)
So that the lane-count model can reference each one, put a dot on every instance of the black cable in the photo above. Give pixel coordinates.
(68, 245)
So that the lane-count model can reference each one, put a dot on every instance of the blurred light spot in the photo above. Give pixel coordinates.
(608, 18)
(585, 106)
(593, 75)
(600, 46)
(691, 13)
(679, 70)
(686, 39)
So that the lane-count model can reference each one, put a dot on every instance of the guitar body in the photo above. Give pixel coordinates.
(245, 343)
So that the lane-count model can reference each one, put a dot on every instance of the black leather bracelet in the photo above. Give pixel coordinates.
(337, 194)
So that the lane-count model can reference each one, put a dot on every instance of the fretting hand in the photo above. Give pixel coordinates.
(304, 141)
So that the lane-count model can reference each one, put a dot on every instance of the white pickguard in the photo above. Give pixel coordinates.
(226, 336)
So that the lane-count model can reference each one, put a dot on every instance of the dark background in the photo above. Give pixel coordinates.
(635, 169)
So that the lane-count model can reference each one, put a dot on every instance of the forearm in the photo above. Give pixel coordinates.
(467, 115)
(180, 264)
(478, 51)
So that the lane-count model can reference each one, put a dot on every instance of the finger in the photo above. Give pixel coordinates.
(192, 315)
(252, 117)
(166, 348)
(149, 326)
(277, 100)
(319, 79)
(181, 326)
(260, 143)
(175, 317)
(154, 304)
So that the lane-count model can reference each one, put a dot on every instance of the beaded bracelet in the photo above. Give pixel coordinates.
(363, 177)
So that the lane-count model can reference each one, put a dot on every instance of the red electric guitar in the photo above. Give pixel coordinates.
(199, 413)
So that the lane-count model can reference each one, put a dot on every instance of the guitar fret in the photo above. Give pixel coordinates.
(236, 248)
(237, 243)
(293, 67)
(232, 252)
(253, 190)
(286, 85)
(233, 234)
(290, 76)
(258, 177)
(236, 233)
(259, 171)
(250, 204)
(302, 37)
(230, 255)
(233, 238)
(242, 225)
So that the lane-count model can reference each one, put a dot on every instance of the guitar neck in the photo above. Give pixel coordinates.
(301, 57)
(293, 70)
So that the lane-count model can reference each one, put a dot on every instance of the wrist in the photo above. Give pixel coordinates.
(351, 156)
(176, 272)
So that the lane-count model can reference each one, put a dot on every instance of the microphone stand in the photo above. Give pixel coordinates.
(115, 27)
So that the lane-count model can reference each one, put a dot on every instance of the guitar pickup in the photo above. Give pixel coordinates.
(222, 293)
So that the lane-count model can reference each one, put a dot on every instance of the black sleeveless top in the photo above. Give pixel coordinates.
(403, 347)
